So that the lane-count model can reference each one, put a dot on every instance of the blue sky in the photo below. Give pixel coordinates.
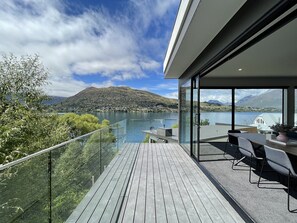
(96, 43)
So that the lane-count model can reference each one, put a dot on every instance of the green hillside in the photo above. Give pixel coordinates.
(116, 99)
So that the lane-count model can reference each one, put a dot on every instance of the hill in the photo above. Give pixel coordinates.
(54, 100)
(215, 102)
(116, 99)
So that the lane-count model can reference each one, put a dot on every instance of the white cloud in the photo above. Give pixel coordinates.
(65, 87)
(68, 87)
(167, 86)
(149, 64)
(93, 42)
(148, 11)
(173, 95)
(127, 76)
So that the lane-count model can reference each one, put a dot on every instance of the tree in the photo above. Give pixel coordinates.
(81, 124)
(21, 81)
(204, 122)
(25, 127)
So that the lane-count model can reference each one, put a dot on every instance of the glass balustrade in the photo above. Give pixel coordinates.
(48, 185)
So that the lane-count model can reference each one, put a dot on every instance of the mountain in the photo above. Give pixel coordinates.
(269, 99)
(214, 102)
(244, 100)
(116, 99)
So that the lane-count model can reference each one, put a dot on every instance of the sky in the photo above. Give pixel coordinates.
(98, 43)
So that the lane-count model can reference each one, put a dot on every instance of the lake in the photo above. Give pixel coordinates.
(137, 121)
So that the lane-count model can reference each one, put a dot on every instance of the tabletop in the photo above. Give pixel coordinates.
(261, 140)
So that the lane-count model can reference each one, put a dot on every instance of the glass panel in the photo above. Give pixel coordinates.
(119, 130)
(195, 124)
(295, 120)
(258, 109)
(215, 121)
(24, 191)
(76, 167)
(52, 184)
(185, 113)
(216, 114)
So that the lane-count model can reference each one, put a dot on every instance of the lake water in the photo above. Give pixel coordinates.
(137, 121)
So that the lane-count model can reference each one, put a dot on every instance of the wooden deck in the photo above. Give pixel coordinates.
(154, 183)
(167, 186)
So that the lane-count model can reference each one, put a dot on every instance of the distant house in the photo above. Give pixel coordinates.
(265, 120)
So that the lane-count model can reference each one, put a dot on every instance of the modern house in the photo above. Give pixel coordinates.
(231, 46)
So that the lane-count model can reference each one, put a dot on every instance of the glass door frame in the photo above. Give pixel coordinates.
(195, 119)
(195, 88)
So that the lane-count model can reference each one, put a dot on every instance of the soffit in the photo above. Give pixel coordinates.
(274, 56)
(204, 21)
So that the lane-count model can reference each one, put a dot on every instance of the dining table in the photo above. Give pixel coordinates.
(289, 147)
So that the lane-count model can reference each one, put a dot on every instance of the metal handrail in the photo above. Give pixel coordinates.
(21, 160)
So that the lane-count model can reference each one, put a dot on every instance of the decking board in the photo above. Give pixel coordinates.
(186, 187)
(150, 210)
(103, 198)
(139, 215)
(179, 196)
(154, 183)
(180, 192)
(199, 186)
(132, 193)
(160, 209)
(167, 193)
(220, 211)
(105, 209)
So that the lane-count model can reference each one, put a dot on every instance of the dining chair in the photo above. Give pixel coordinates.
(232, 141)
(246, 148)
(279, 161)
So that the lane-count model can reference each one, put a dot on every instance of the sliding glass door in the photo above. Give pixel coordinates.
(185, 116)
(195, 119)
(189, 117)
(215, 121)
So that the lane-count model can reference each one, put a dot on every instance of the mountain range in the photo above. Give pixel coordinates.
(269, 99)
(127, 99)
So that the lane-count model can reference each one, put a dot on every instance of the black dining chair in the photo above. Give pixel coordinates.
(232, 141)
(246, 148)
(279, 161)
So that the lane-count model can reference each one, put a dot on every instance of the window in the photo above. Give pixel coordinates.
(295, 119)
(216, 116)
(257, 109)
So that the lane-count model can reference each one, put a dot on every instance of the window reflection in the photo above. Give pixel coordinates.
(295, 120)
(185, 109)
